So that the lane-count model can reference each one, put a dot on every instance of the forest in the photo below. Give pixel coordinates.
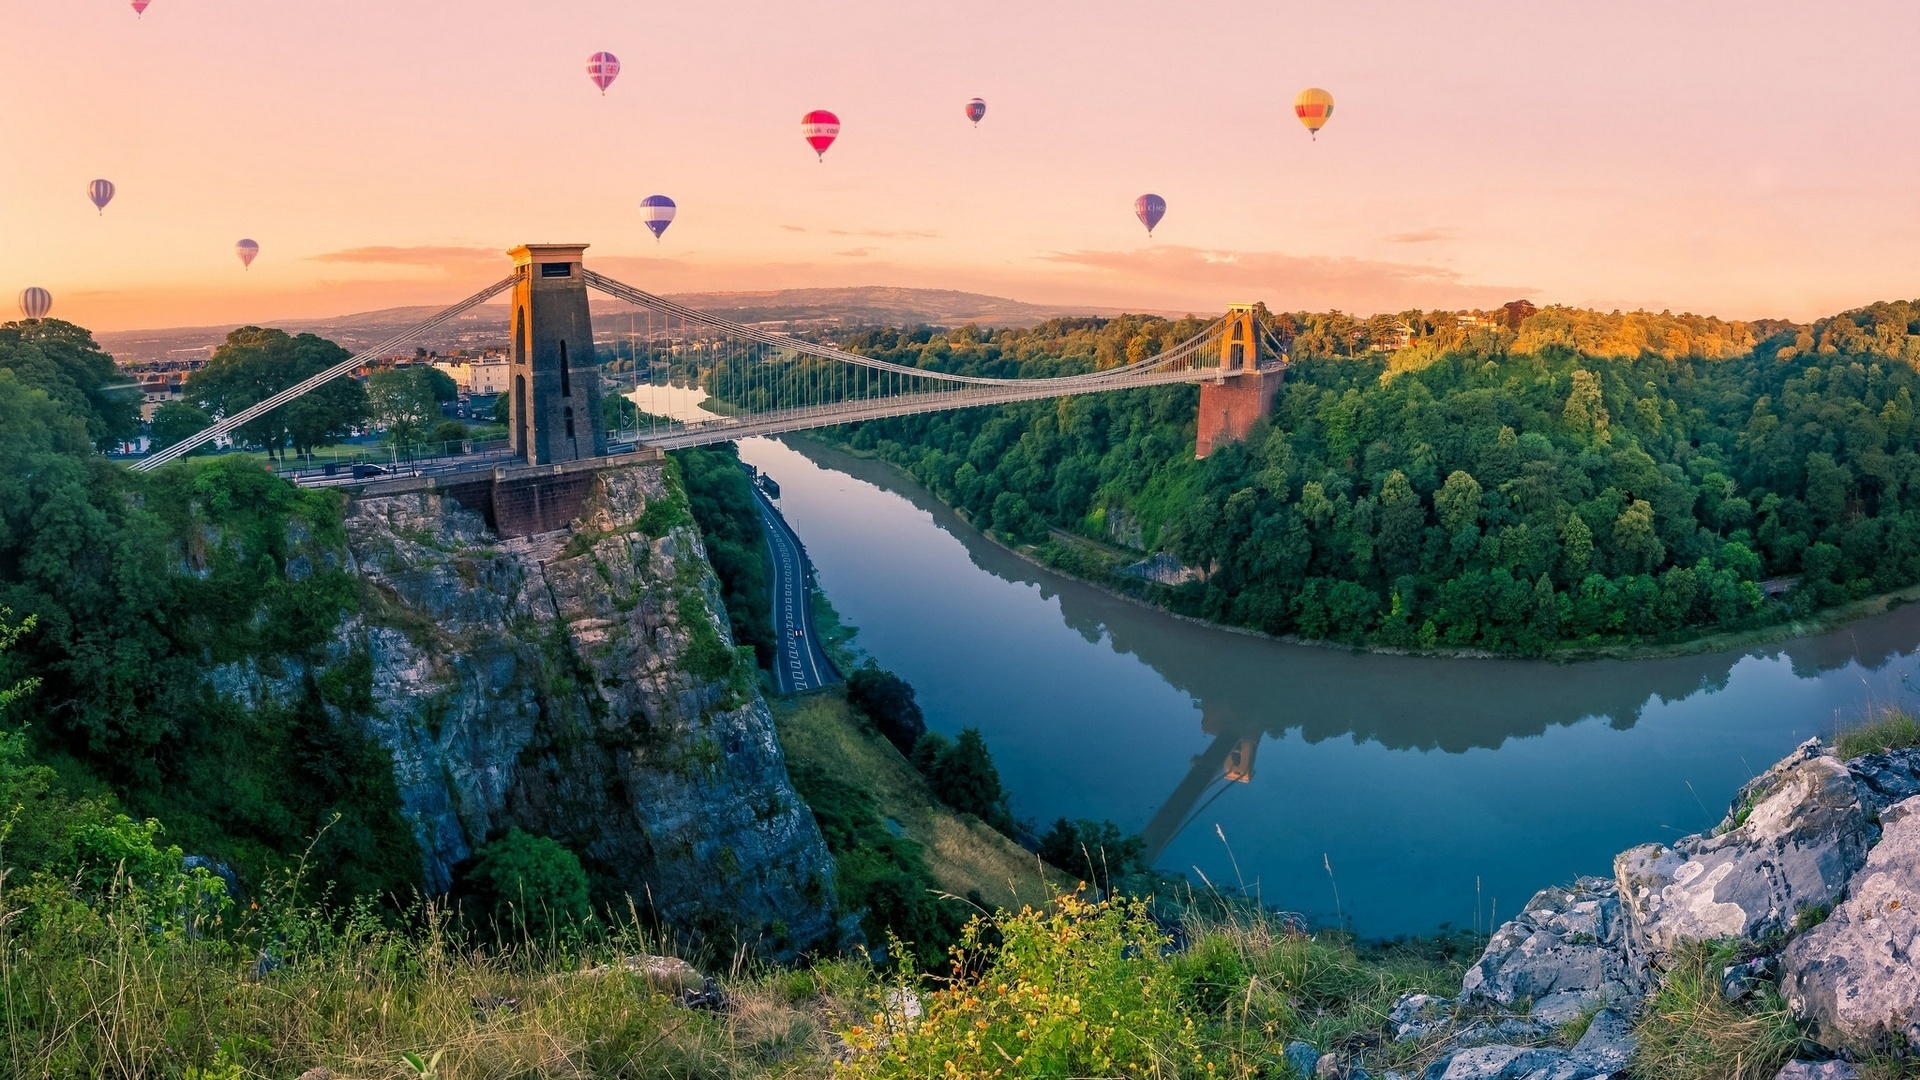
(1579, 478)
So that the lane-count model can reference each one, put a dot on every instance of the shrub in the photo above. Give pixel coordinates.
(1082, 989)
(963, 776)
(529, 885)
(1093, 851)
(1888, 729)
(887, 700)
(1690, 1031)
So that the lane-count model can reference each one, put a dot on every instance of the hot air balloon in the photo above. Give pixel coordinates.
(246, 249)
(1314, 107)
(976, 109)
(101, 192)
(657, 212)
(35, 303)
(1150, 209)
(603, 68)
(820, 128)
(140, 6)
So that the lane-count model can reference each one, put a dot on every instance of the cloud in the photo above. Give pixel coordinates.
(439, 257)
(1425, 236)
(887, 234)
(794, 228)
(1183, 275)
(855, 253)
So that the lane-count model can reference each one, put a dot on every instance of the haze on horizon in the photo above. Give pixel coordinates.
(1745, 159)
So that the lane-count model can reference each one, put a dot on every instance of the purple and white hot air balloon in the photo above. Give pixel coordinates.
(247, 250)
(101, 193)
(35, 302)
(1150, 209)
(603, 68)
(657, 212)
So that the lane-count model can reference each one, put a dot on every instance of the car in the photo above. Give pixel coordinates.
(363, 471)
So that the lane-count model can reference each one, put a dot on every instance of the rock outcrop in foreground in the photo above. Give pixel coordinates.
(1816, 869)
(582, 685)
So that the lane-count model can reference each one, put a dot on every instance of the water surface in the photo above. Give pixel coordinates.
(1411, 777)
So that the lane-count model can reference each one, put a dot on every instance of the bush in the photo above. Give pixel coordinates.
(1888, 729)
(1093, 851)
(1079, 990)
(963, 776)
(449, 431)
(530, 886)
(887, 700)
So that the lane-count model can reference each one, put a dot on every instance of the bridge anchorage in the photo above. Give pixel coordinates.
(687, 377)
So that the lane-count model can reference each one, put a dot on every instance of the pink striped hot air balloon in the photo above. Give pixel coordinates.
(248, 251)
(35, 302)
(140, 6)
(100, 192)
(603, 68)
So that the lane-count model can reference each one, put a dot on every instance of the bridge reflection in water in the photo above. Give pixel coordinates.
(1413, 775)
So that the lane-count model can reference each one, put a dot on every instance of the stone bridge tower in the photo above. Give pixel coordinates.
(554, 380)
(1245, 389)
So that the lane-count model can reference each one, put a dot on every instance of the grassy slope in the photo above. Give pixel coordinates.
(822, 730)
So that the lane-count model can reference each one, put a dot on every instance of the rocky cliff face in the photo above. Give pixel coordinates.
(582, 685)
(1812, 835)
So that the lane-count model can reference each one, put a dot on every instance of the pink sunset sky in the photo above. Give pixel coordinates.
(1745, 158)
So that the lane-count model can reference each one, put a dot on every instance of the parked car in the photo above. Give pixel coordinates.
(361, 472)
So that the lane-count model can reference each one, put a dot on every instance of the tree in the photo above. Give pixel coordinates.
(1458, 502)
(175, 421)
(254, 363)
(529, 885)
(63, 361)
(964, 777)
(1092, 851)
(401, 400)
(1585, 413)
(887, 699)
(1635, 540)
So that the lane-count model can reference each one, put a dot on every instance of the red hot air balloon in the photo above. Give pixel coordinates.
(35, 303)
(976, 109)
(247, 250)
(140, 6)
(101, 193)
(820, 128)
(1150, 209)
(603, 68)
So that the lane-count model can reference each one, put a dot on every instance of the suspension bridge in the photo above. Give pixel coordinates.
(754, 381)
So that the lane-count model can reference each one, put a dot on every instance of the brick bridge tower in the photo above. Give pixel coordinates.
(554, 411)
(1245, 389)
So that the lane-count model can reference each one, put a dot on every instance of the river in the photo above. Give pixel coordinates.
(1436, 791)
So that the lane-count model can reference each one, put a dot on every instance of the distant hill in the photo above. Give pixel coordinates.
(788, 309)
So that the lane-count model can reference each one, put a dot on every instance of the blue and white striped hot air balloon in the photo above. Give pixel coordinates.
(100, 192)
(657, 212)
(35, 302)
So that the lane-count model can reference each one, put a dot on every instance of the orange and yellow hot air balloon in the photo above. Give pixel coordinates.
(1314, 107)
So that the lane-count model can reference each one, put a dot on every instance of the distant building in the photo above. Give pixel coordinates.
(1517, 312)
(486, 375)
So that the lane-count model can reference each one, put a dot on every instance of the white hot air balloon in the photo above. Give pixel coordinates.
(35, 302)
(248, 251)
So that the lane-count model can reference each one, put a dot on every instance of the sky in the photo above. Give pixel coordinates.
(1744, 158)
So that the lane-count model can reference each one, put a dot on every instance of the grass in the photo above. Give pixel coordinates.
(1886, 729)
(822, 731)
(1690, 1031)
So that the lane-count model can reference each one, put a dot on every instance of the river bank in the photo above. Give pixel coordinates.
(1102, 575)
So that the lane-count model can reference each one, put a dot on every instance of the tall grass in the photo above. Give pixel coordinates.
(1885, 729)
(1690, 1031)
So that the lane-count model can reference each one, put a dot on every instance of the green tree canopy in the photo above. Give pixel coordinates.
(402, 401)
(254, 364)
(62, 360)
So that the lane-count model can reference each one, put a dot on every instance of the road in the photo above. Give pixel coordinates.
(799, 663)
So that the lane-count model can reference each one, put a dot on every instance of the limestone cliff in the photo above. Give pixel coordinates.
(582, 685)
